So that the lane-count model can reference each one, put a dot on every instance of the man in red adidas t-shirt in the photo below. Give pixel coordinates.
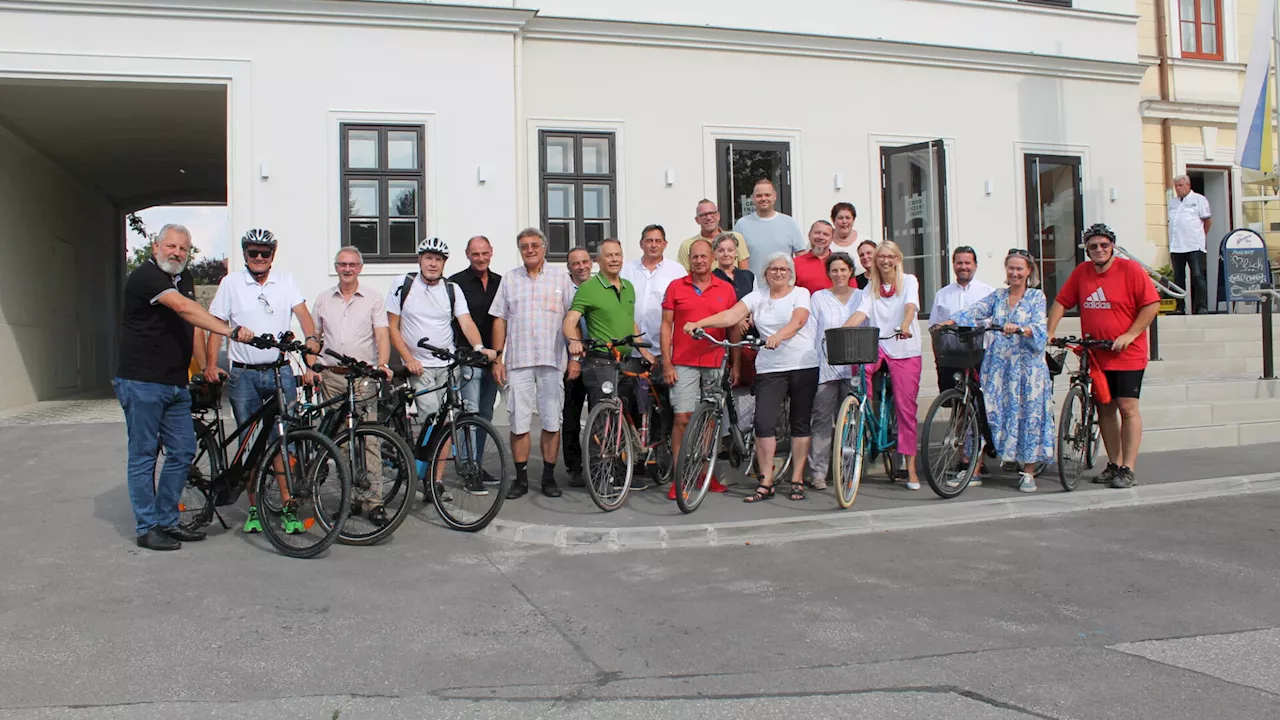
(1117, 301)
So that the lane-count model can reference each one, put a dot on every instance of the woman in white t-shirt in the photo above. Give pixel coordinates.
(891, 302)
(787, 367)
(830, 308)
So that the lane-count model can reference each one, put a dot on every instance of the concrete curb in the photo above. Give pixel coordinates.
(856, 523)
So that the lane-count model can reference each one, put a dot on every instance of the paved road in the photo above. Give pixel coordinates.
(1166, 612)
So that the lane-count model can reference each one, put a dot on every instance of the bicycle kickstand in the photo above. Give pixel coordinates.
(218, 515)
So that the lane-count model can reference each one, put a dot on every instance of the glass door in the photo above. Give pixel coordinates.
(913, 184)
(739, 164)
(1055, 218)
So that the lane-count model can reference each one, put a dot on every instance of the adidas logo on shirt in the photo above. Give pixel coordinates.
(1097, 301)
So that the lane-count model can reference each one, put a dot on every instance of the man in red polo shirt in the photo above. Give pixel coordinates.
(694, 365)
(1117, 302)
(811, 265)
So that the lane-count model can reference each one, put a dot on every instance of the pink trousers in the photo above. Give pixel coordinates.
(904, 375)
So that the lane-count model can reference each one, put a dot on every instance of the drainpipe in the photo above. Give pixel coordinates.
(522, 175)
(1166, 124)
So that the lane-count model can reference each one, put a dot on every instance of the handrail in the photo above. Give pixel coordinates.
(1262, 291)
(1169, 288)
(1268, 338)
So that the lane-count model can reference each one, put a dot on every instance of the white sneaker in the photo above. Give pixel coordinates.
(913, 485)
(975, 481)
(1028, 483)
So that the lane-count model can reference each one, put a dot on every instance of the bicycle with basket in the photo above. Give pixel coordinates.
(866, 425)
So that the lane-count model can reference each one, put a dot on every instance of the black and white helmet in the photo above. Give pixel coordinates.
(258, 236)
(433, 245)
(1099, 230)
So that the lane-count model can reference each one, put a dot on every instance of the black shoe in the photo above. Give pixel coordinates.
(184, 533)
(1124, 479)
(378, 516)
(576, 480)
(474, 484)
(1107, 475)
(489, 479)
(550, 488)
(357, 508)
(518, 490)
(157, 539)
(640, 481)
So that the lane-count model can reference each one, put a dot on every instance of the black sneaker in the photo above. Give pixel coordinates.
(518, 489)
(576, 480)
(1123, 479)
(474, 484)
(640, 481)
(489, 479)
(1107, 475)
(550, 488)
(378, 516)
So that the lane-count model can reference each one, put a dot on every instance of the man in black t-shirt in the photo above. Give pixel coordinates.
(158, 333)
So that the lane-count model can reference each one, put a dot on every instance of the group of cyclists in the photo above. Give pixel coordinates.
(765, 292)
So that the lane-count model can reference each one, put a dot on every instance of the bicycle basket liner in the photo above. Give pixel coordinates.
(1056, 359)
(958, 349)
(205, 396)
(853, 346)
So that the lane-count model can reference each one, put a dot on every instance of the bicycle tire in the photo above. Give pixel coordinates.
(1095, 438)
(782, 435)
(319, 465)
(449, 492)
(848, 450)
(956, 423)
(889, 455)
(660, 463)
(697, 458)
(397, 490)
(196, 497)
(607, 450)
(1073, 438)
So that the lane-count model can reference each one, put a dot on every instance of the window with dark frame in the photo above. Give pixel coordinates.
(578, 190)
(1200, 22)
(383, 190)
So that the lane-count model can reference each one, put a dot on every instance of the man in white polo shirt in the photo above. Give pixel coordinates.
(1189, 221)
(423, 306)
(266, 301)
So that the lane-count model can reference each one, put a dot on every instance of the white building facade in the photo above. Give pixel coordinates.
(988, 123)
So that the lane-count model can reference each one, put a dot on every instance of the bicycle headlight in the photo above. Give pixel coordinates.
(606, 387)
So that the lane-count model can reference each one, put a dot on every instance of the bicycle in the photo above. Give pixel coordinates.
(611, 438)
(299, 476)
(1078, 430)
(468, 485)
(956, 434)
(391, 479)
(696, 463)
(862, 432)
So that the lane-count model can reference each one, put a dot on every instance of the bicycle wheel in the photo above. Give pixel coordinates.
(782, 452)
(606, 443)
(468, 452)
(319, 493)
(1073, 438)
(194, 505)
(1095, 438)
(697, 458)
(659, 464)
(950, 433)
(388, 485)
(848, 450)
(889, 455)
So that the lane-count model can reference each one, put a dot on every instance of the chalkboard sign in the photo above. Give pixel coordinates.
(1244, 264)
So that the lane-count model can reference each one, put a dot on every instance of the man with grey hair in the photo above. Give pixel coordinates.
(159, 330)
(352, 320)
(528, 311)
(1189, 221)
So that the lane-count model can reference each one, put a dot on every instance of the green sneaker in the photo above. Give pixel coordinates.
(292, 525)
(252, 524)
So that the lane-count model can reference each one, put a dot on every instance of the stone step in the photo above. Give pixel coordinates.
(1210, 436)
(1212, 350)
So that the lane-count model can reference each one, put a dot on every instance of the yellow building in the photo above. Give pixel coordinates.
(1196, 52)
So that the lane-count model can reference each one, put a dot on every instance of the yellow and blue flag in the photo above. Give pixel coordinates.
(1254, 147)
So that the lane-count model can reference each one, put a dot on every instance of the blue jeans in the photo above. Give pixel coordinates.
(155, 413)
(249, 389)
(479, 393)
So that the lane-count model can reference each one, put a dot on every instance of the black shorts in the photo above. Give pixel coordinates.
(1124, 383)
(772, 388)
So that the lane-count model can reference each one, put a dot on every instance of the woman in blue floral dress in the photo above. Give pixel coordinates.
(1015, 380)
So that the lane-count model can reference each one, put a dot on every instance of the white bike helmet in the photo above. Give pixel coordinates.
(258, 236)
(433, 245)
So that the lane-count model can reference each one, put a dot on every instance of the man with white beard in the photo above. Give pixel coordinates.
(158, 333)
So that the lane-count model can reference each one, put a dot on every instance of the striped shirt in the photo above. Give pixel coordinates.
(534, 308)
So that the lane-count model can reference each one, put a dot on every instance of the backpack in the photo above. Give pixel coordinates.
(459, 340)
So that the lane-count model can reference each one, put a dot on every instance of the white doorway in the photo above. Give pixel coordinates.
(1215, 184)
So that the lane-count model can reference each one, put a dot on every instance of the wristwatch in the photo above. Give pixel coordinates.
(477, 347)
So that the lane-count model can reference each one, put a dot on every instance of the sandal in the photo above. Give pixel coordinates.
(763, 492)
(797, 492)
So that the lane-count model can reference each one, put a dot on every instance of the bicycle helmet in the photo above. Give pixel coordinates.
(433, 245)
(1096, 230)
(258, 236)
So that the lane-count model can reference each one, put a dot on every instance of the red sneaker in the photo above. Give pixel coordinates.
(717, 486)
(671, 493)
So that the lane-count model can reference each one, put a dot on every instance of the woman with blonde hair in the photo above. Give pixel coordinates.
(891, 301)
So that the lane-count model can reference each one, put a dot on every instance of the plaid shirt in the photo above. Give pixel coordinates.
(534, 310)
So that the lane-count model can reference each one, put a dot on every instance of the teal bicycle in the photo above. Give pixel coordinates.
(866, 426)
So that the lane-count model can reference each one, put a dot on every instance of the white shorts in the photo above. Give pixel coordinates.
(542, 387)
(691, 384)
(431, 377)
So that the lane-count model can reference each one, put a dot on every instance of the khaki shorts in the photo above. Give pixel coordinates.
(692, 383)
(541, 387)
(431, 377)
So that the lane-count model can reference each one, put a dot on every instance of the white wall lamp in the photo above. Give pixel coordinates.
(670, 177)
(1115, 194)
(839, 181)
(481, 176)
(264, 170)
(988, 187)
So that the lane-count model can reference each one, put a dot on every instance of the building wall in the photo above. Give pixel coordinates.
(58, 304)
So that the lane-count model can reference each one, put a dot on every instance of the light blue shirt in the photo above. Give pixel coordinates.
(780, 233)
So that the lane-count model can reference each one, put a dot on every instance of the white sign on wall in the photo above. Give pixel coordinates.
(915, 207)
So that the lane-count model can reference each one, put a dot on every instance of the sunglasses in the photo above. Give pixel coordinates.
(255, 254)
(1019, 251)
(1097, 246)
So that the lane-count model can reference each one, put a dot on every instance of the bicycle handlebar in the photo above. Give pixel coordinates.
(358, 368)
(755, 343)
(632, 340)
(461, 356)
(964, 329)
(284, 343)
(1082, 342)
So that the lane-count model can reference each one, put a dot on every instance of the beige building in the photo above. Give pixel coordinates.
(1196, 52)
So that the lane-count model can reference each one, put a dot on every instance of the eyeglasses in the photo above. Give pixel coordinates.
(348, 265)
(779, 270)
(266, 306)
(259, 253)
(525, 247)
(1097, 246)
(704, 215)
(1020, 252)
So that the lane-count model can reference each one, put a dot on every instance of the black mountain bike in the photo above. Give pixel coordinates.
(301, 479)
(1078, 431)
(460, 457)
(382, 463)
(956, 434)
